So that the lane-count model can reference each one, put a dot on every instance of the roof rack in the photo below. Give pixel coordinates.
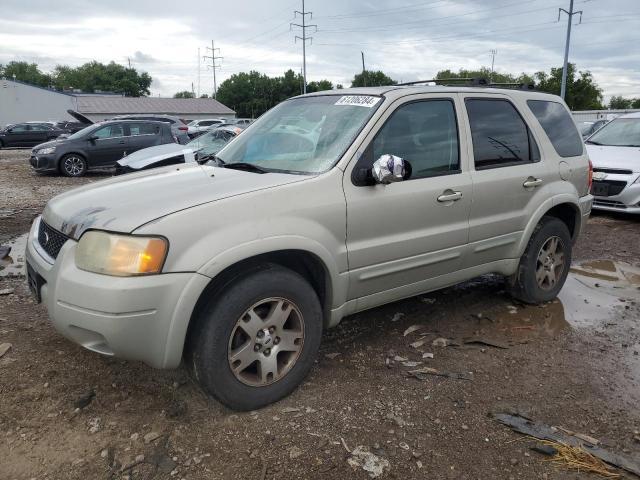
(472, 82)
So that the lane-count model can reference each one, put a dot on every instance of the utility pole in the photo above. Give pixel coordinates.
(304, 39)
(570, 14)
(364, 70)
(199, 60)
(494, 52)
(213, 66)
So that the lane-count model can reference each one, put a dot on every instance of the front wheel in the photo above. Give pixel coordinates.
(255, 343)
(73, 165)
(545, 264)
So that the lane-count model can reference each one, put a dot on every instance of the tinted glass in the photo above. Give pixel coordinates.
(500, 136)
(621, 132)
(143, 129)
(110, 131)
(557, 123)
(20, 128)
(423, 133)
(40, 127)
(206, 123)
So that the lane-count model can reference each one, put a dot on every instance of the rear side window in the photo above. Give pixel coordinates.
(559, 127)
(500, 136)
(144, 129)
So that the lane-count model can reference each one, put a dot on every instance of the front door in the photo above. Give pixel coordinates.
(19, 136)
(404, 233)
(107, 145)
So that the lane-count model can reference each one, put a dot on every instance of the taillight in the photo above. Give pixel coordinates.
(590, 178)
(184, 128)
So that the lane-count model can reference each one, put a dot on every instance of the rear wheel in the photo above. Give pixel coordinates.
(545, 264)
(256, 342)
(73, 165)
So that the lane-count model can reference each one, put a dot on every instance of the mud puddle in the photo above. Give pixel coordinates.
(13, 265)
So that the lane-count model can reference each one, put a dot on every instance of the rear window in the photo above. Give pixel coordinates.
(144, 129)
(559, 127)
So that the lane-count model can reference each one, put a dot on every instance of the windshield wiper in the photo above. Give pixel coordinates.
(592, 142)
(249, 167)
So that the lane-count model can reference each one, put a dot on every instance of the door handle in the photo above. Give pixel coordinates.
(532, 182)
(449, 196)
(121, 142)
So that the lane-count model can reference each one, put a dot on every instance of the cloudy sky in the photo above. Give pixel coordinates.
(408, 39)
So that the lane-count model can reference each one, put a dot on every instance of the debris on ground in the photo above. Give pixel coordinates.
(427, 355)
(362, 458)
(398, 358)
(412, 328)
(397, 316)
(555, 437)
(444, 342)
(4, 348)
(411, 363)
(577, 458)
(544, 449)
(485, 341)
(84, 400)
(151, 436)
(6, 291)
(421, 374)
(418, 343)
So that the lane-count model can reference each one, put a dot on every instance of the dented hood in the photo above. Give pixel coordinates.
(123, 203)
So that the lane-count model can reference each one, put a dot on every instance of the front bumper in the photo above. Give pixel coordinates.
(628, 200)
(44, 163)
(134, 318)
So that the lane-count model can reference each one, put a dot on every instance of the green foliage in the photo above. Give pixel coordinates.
(582, 91)
(621, 103)
(253, 93)
(486, 73)
(184, 94)
(89, 77)
(370, 78)
(25, 72)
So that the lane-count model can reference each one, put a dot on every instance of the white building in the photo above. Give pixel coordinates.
(22, 102)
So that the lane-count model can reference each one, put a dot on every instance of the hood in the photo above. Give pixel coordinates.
(126, 202)
(78, 116)
(148, 156)
(51, 143)
(602, 156)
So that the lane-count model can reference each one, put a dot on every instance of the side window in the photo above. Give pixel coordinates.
(40, 127)
(206, 123)
(110, 131)
(559, 127)
(143, 129)
(20, 128)
(425, 133)
(499, 134)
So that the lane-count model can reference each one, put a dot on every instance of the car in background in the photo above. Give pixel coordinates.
(588, 128)
(178, 126)
(202, 125)
(245, 122)
(28, 134)
(99, 145)
(614, 151)
(70, 127)
(201, 149)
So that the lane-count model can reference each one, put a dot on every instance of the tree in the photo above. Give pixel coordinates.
(485, 73)
(204, 95)
(371, 79)
(184, 94)
(583, 93)
(319, 86)
(620, 103)
(25, 72)
(111, 77)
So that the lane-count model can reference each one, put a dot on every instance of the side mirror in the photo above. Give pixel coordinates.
(92, 138)
(388, 169)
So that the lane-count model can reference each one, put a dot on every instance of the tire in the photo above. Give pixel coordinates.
(232, 345)
(543, 268)
(73, 165)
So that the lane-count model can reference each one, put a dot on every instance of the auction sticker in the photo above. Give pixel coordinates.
(358, 100)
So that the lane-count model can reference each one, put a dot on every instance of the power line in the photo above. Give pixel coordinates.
(213, 66)
(304, 39)
(570, 14)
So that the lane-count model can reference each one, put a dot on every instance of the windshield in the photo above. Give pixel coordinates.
(83, 132)
(621, 132)
(211, 142)
(303, 135)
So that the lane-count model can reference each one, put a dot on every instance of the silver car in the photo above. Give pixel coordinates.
(329, 204)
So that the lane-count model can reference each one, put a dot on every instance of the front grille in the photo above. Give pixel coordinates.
(50, 239)
(616, 171)
(615, 186)
(609, 203)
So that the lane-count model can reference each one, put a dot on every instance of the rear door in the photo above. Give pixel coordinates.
(142, 135)
(509, 176)
(41, 132)
(109, 145)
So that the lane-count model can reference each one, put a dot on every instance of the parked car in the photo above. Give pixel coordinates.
(70, 127)
(615, 153)
(201, 149)
(376, 195)
(202, 125)
(99, 145)
(28, 134)
(245, 122)
(178, 126)
(588, 128)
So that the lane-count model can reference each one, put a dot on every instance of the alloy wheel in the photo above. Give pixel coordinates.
(73, 166)
(550, 263)
(266, 342)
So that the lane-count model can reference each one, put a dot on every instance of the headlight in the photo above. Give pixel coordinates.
(120, 255)
(46, 151)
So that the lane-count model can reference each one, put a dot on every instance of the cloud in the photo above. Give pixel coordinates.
(139, 57)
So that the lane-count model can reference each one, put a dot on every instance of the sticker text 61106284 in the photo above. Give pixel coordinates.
(358, 100)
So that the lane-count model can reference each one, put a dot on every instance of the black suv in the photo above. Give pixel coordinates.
(28, 134)
(99, 145)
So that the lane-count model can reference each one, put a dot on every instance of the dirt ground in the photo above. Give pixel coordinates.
(574, 362)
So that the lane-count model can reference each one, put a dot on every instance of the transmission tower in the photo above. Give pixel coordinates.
(303, 14)
(570, 14)
(213, 57)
